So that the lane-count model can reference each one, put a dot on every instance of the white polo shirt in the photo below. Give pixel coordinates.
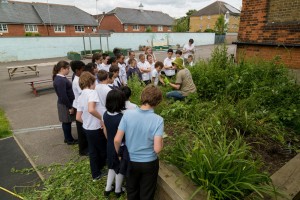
(76, 90)
(89, 121)
(168, 62)
(145, 65)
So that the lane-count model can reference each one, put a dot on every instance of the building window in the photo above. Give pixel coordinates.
(125, 27)
(3, 28)
(160, 28)
(136, 27)
(208, 26)
(94, 28)
(201, 26)
(208, 17)
(31, 28)
(169, 28)
(79, 29)
(200, 17)
(59, 28)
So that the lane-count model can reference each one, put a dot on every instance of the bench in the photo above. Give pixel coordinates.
(24, 69)
(34, 82)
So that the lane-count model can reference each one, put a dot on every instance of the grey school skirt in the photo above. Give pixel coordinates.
(63, 114)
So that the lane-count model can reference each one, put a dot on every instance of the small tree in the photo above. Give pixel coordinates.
(221, 25)
(183, 24)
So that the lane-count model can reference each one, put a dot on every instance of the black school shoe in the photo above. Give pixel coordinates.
(107, 193)
(119, 194)
(71, 142)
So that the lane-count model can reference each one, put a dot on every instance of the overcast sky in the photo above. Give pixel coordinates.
(175, 8)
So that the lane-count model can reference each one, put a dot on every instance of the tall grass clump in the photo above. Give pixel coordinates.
(5, 130)
(223, 167)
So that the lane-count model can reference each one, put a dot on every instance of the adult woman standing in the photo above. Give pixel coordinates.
(144, 141)
(64, 92)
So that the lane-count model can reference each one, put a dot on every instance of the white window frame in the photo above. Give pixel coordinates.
(59, 29)
(126, 27)
(136, 27)
(31, 28)
(208, 17)
(201, 26)
(200, 17)
(207, 26)
(169, 28)
(3, 28)
(94, 29)
(160, 28)
(79, 28)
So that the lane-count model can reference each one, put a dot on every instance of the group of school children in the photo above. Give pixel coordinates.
(111, 130)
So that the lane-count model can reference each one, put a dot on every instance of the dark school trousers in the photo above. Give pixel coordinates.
(82, 140)
(97, 150)
(142, 180)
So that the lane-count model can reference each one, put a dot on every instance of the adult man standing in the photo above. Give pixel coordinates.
(188, 49)
(184, 84)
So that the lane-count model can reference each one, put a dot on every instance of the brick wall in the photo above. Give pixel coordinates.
(289, 56)
(44, 30)
(111, 22)
(258, 22)
(274, 22)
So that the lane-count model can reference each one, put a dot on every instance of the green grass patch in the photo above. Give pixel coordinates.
(5, 130)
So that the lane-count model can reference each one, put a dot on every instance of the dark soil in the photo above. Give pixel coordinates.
(273, 154)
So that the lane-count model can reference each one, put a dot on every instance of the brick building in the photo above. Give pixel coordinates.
(270, 28)
(136, 20)
(206, 17)
(41, 19)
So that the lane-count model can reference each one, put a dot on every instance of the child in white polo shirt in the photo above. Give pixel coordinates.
(87, 113)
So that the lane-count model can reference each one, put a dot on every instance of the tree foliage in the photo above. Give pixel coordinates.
(183, 24)
(220, 25)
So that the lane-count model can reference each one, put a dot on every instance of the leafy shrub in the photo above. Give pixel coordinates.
(220, 166)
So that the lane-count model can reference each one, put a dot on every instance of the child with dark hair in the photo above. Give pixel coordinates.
(87, 113)
(133, 70)
(115, 70)
(97, 59)
(102, 89)
(116, 51)
(111, 80)
(121, 64)
(91, 67)
(127, 92)
(112, 61)
(156, 78)
(105, 66)
(144, 141)
(115, 103)
(168, 67)
(64, 92)
(77, 67)
(178, 54)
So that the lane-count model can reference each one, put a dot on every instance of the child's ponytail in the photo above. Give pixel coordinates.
(58, 66)
(54, 71)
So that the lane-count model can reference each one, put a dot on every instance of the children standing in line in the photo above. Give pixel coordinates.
(156, 73)
(115, 103)
(168, 67)
(133, 70)
(87, 113)
(77, 68)
(145, 69)
(64, 92)
(128, 104)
